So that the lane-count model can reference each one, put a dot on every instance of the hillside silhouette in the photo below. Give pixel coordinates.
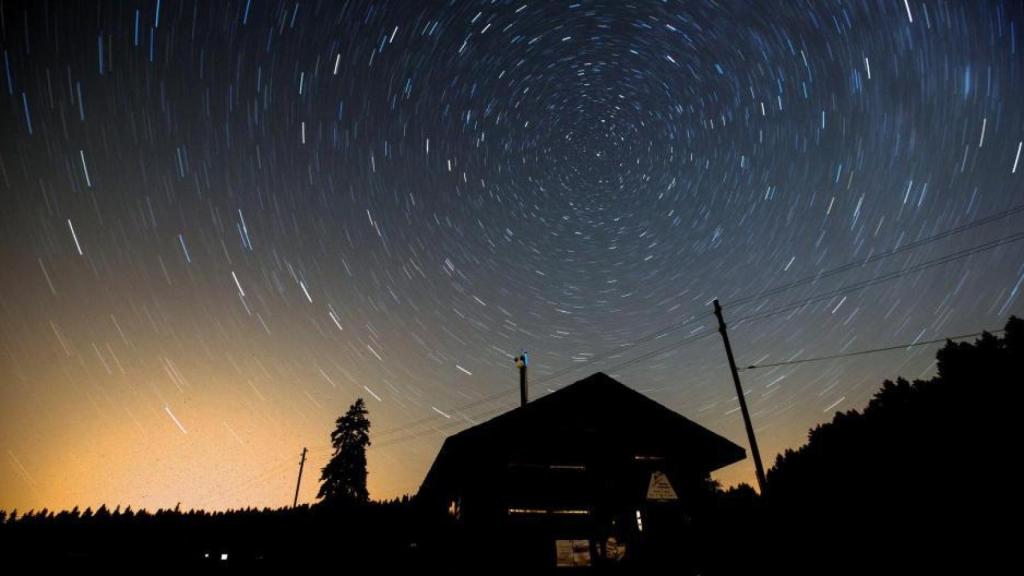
(917, 481)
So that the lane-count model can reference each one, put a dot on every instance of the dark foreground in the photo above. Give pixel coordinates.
(920, 481)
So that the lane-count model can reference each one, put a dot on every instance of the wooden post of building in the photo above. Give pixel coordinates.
(755, 453)
(302, 463)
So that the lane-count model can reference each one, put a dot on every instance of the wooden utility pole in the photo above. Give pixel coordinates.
(755, 453)
(302, 463)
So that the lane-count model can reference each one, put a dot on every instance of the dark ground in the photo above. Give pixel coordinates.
(918, 482)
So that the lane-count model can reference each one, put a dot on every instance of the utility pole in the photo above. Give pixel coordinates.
(755, 453)
(302, 463)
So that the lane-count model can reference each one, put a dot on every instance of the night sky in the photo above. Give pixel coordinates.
(222, 222)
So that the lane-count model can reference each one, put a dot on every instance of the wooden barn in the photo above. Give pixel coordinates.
(590, 474)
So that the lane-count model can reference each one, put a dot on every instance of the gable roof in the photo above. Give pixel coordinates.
(596, 417)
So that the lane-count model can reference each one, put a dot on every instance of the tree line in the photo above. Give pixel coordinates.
(918, 479)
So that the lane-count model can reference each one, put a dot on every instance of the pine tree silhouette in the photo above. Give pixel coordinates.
(343, 479)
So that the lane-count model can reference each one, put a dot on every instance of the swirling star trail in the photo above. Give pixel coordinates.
(224, 221)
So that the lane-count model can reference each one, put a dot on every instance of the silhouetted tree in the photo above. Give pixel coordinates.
(922, 459)
(343, 479)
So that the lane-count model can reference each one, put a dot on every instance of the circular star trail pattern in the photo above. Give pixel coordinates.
(222, 222)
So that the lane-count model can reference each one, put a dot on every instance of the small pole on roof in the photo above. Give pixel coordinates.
(755, 453)
(521, 364)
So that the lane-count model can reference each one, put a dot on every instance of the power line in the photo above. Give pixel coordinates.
(445, 426)
(882, 255)
(871, 351)
(657, 352)
(765, 293)
(851, 288)
(992, 245)
(557, 374)
(265, 475)
(692, 320)
(440, 428)
(793, 305)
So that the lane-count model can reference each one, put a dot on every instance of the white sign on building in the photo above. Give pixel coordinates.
(660, 489)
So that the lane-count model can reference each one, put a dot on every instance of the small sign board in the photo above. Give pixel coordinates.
(660, 489)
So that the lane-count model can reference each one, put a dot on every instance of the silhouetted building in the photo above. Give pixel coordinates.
(577, 476)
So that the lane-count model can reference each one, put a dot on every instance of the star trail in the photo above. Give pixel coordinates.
(222, 222)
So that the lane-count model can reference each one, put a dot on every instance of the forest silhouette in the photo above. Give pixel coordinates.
(915, 482)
